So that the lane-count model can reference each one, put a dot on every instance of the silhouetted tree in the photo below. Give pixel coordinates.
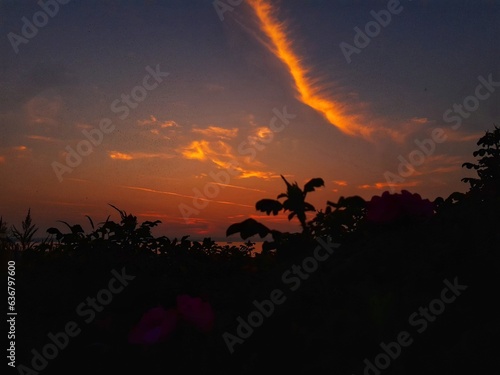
(294, 202)
(487, 167)
(339, 219)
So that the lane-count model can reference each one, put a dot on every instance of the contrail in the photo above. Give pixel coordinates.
(184, 196)
(308, 92)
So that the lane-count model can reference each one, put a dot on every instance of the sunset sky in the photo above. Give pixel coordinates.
(174, 95)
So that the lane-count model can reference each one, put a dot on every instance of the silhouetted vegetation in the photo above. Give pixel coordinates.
(395, 251)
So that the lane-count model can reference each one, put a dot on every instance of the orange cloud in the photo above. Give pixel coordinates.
(340, 182)
(263, 132)
(41, 138)
(216, 131)
(458, 136)
(136, 155)
(349, 118)
(2, 159)
(196, 150)
(155, 122)
(420, 120)
(163, 129)
(446, 169)
(222, 155)
(383, 185)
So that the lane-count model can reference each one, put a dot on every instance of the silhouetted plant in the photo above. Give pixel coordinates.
(403, 207)
(487, 167)
(339, 219)
(5, 241)
(25, 235)
(294, 202)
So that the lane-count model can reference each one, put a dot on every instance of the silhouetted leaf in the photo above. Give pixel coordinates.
(313, 183)
(55, 231)
(354, 201)
(151, 223)
(74, 228)
(248, 228)
(268, 206)
(330, 203)
(90, 219)
(286, 182)
(480, 152)
(123, 214)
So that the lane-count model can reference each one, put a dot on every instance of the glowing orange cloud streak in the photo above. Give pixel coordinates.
(308, 92)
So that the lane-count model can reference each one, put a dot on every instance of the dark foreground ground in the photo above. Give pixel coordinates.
(405, 297)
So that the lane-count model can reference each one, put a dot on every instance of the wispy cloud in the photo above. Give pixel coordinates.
(153, 121)
(205, 150)
(444, 159)
(240, 187)
(340, 182)
(350, 117)
(223, 156)
(441, 164)
(185, 196)
(164, 129)
(116, 155)
(385, 185)
(458, 136)
(217, 132)
(41, 110)
(41, 138)
(420, 120)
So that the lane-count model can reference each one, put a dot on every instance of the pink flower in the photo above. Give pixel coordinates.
(196, 312)
(155, 326)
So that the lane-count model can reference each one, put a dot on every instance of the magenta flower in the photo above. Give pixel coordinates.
(155, 326)
(196, 312)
